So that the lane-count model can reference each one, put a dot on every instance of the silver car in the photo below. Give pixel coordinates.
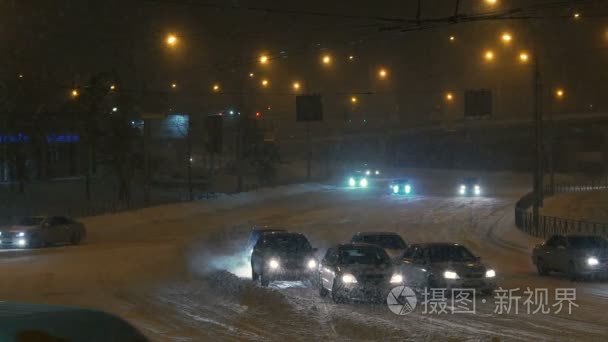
(446, 266)
(575, 255)
(40, 231)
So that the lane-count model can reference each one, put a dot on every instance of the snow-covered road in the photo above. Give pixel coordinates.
(178, 272)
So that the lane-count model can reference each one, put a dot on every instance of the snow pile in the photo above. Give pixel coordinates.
(588, 206)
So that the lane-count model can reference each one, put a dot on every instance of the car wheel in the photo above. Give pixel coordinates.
(264, 281)
(540, 267)
(75, 238)
(335, 294)
(572, 273)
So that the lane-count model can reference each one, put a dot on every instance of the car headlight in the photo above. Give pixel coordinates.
(21, 234)
(490, 274)
(368, 172)
(592, 261)
(450, 275)
(477, 190)
(396, 279)
(463, 189)
(377, 172)
(407, 188)
(351, 182)
(312, 263)
(273, 263)
(363, 183)
(21, 242)
(395, 189)
(349, 279)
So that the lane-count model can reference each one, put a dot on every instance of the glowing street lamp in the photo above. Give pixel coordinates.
(171, 40)
(296, 86)
(491, 2)
(560, 93)
(112, 87)
(326, 59)
(263, 59)
(452, 39)
(489, 55)
(251, 75)
(351, 57)
(577, 15)
(382, 73)
(74, 93)
(265, 83)
(506, 38)
(216, 88)
(524, 57)
(353, 99)
(173, 85)
(449, 97)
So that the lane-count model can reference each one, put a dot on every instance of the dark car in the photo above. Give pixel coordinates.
(400, 187)
(392, 242)
(575, 255)
(371, 170)
(256, 233)
(40, 231)
(41, 322)
(446, 266)
(357, 271)
(470, 186)
(283, 256)
(357, 179)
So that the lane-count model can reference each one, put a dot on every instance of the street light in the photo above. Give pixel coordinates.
(506, 38)
(577, 15)
(382, 73)
(351, 57)
(216, 88)
(449, 97)
(296, 86)
(171, 40)
(173, 85)
(326, 59)
(251, 75)
(112, 87)
(353, 99)
(265, 83)
(491, 2)
(452, 39)
(75, 93)
(488, 55)
(264, 59)
(524, 57)
(560, 93)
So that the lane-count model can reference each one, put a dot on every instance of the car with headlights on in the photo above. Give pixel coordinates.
(446, 266)
(283, 256)
(256, 233)
(370, 170)
(357, 179)
(40, 231)
(575, 255)
(470, 186)
(392, 242)
(357, 271)
(400, 187)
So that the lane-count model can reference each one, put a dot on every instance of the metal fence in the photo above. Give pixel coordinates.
(550, 225)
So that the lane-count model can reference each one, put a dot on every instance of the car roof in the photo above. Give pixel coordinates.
(283, 234)
(375, 233)
(434, 244)
(268, 230)
(355, 245)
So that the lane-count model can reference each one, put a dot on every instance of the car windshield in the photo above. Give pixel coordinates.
(587, 242)
(449, 253)
(385, 241)
(30, 221)
(287, 243)
(363, 255)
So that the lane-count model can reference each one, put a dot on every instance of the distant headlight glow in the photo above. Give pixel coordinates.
(396, 279)
(377, 172)
(312, 263)
(477, 190)
(592, 261)
(351, 182)
(273, 263)
(395, 189)
(21, 242)
(363, 183)
(368, 172)
(490, 274)
(407, 189)
(450, 275)
(20, 234)
(463, 189)
(349, 279)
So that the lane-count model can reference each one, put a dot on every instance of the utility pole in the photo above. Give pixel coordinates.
(538, 125)
(308, 151)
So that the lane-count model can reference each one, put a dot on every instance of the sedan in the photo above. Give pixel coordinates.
(575, 255)
(40, 231)
(400, 187)
(470, 187)
(392, 242)
(446, 266)
(357, 179)
(282, 256)
(357, 271)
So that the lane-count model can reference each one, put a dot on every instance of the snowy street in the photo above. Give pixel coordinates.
(179, 272)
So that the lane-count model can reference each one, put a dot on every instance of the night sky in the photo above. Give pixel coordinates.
(62, 43)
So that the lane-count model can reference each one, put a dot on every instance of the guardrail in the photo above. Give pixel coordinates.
(551, 225)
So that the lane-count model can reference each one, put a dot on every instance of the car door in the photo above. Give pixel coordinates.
(561, 255)
(257, 257)
(61, 229)
(413, 267)
(327, 268)
(547, 252)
